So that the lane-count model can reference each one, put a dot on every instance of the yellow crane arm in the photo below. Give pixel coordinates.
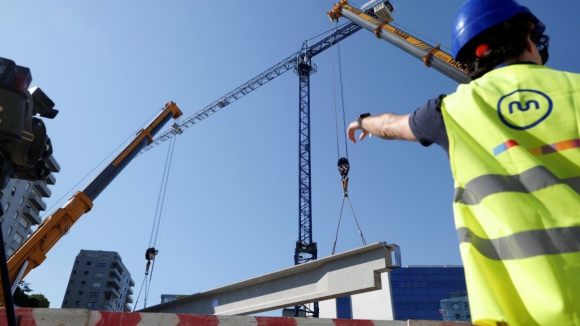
(33, 252)
(432, 56)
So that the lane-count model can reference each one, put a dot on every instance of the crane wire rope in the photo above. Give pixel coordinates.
(49, 210)
(341, 96)
(343, 164)
(327, 32)
(151, 252)
(161, 209)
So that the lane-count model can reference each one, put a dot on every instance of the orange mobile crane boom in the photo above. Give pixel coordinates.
(33, 252)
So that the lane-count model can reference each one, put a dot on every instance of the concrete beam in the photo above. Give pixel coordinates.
(351, 272)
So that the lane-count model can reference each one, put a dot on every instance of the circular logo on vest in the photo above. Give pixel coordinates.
(524, 108)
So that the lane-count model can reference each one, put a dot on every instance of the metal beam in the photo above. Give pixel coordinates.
(351, 272)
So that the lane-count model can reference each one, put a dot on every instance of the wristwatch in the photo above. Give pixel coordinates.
(360, 118)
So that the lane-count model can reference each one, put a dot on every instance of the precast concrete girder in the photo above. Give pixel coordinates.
(351, 272)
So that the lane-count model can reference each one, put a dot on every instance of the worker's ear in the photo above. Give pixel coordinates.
(530, 45)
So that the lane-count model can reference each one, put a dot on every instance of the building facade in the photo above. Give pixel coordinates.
(23, 204)
(99, 281)
(414, 292)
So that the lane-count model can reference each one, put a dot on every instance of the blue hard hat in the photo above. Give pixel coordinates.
(475, 16)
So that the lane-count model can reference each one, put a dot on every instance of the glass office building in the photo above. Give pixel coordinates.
(430, 293)
(412, 292)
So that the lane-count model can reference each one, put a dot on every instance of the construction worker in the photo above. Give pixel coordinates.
(513, 139)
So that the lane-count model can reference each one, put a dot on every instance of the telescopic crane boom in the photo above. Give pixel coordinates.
(33, 252)
(432, 56)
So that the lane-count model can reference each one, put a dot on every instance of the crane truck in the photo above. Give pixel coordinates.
(33, 252)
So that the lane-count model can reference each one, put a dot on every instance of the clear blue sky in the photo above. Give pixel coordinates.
(232, 203)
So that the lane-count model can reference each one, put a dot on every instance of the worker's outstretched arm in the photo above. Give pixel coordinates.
(386, 126)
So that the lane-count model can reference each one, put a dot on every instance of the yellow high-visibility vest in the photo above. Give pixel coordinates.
(514, 148)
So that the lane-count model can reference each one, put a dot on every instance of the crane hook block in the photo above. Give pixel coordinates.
(151, 253)
(343, 167)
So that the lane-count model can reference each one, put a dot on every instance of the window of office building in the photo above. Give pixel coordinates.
(89, 262)
(101, 265)
(80, 292)
(10, 230)
(17, 237)
(7, 207)
(24, 222)
(77, 303)
(86, 273)
(343, 307)
(97, 285)
(21, 200)
(94, 295)
(91, 305)
(28, 186)
(430, 293)
(16, 215)
(99, 274)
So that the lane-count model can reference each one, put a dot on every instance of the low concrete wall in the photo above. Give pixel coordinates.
(85, 317)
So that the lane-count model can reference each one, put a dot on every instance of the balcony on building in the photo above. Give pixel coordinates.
(131, 283)
(118, 268)
(113, 290)
(53, 164)
(126, 308)
(129, 299)
(42, 188)
(36, 201)
(31, 215)
(114, 270)
(113, 282)
(50, 179)
(130, 291)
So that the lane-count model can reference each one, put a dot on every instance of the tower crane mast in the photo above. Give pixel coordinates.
(301, 62)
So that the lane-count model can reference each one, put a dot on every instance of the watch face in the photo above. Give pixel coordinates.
(456, 306)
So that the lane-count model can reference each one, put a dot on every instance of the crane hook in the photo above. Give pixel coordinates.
(150, 255)
(343, 168)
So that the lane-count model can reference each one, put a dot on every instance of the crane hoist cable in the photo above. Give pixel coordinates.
(343, 164)
(90, 173)
(151, 251)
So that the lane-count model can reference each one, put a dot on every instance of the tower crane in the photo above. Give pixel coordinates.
(301, 63)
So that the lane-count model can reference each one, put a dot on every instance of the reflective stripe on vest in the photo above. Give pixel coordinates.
(525, 244)
(529, 181)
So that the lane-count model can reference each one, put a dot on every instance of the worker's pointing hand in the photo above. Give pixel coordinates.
(351, 130)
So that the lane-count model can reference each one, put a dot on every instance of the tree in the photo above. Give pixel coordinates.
(38, 300)
(22, 299)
